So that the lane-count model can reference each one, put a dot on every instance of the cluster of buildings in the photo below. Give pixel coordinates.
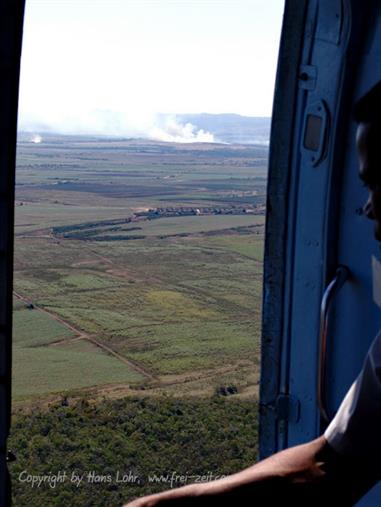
(206, 210)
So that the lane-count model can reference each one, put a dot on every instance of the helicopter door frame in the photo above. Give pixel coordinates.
(11, 29)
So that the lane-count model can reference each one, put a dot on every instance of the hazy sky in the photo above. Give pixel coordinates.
(140, 57)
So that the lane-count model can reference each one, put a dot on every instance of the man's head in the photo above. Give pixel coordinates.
(368, 139)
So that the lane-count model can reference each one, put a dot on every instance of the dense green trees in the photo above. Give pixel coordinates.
(125, 448)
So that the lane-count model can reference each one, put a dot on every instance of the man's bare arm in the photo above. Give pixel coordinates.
(307, 474)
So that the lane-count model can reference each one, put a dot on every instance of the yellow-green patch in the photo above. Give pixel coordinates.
(179, 306)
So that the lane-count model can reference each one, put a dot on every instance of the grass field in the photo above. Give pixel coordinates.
(173, 306)
(66, 364)
(32, 328)
(174, 310)
(45, 370)
(161, 228)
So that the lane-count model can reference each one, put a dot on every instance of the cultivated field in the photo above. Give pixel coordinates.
(121, 304)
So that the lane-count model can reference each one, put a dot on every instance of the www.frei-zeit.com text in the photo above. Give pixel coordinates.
(53, 480)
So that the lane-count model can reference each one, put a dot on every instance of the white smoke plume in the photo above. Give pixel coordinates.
(104, 122)
(174, 131)
(36, 139)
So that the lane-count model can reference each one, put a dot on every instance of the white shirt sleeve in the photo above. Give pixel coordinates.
(355, 431)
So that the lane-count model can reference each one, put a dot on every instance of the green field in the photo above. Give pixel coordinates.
(43, 370)
(173, 306)
(47, 358)
(178, 302)
(178, 225)
(32, 328)
(160, 228)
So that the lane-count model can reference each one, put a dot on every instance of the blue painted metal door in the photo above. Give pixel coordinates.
(329, 57)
